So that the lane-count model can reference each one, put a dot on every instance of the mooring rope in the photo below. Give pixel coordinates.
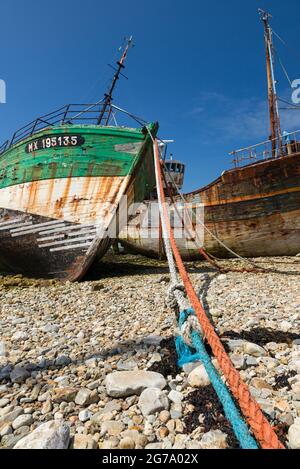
(250, 408)
(239, 427)
(186, 355)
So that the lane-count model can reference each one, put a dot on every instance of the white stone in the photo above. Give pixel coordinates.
(84, 397)
(2, 349)
(85, 415)
(188, 367)
(127, 443)
(285, 326)
(175, 396)
(50, 435)
(254, 349)
(11, 414)
(238, 361)
(4, 402)
(154, 446)
(215, 439)
(21, 421)
(153, 400)
(295, 364)
(127, 383)
(19, 336)
(198, 377)
(294, 435)
(152, 340)
(193, 445)
(216, 313)
(112, 428)
(180, 441)
(5, 429)
(84, 442)
(234, 344)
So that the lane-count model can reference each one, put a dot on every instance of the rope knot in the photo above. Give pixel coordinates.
(171, 300)
(189, 323)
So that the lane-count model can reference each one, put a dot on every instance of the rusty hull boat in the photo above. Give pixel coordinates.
(62, 178)
(254, 208)
(60, 189)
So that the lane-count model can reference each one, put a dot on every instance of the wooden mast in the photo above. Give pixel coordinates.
(275, 136)
(108, 96)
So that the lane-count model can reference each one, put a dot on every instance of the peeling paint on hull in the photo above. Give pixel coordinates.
(76, 199)
(58, 205)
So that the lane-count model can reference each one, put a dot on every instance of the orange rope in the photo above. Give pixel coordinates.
(260, 426)
(201, 250)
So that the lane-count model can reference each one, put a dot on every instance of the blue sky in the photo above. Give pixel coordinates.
(198, 67)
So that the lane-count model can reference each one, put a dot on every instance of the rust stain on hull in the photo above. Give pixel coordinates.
(74, 199)
(254, 210)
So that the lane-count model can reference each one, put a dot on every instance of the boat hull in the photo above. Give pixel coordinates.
(254, 210)
(59, 206)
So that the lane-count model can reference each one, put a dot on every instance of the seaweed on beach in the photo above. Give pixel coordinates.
(206, 404)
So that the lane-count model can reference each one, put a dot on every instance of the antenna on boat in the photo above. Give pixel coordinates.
(276, 135)
(108, 96)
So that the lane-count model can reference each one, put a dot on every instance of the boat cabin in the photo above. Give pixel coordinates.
(174, 171)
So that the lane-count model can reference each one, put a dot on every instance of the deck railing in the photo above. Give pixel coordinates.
(84, 114)
(4, 146)
(288, 144)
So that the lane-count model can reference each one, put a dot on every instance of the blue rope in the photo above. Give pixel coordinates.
(186, 355)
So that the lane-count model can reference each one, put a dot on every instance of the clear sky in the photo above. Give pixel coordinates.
(198, 67)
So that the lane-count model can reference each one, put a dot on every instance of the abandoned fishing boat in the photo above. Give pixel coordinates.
(252, 209)
(62, 178)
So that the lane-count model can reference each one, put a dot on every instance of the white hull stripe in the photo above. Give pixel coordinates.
(46, 224)
(20, 226)
(70, 235)
(34, 230)
(63, 228)
(66, 241)
(49, 238)
(91, 231)
(64, 248)
(10, 222)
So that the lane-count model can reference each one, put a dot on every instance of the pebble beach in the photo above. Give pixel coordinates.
(93, 365)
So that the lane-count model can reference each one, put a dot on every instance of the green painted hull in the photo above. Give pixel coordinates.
(56, 201)
(107, 151)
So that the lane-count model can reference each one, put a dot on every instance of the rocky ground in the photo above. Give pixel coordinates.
(93, 365)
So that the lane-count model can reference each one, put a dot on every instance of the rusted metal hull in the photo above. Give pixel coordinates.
(59, 206)
(254, 210)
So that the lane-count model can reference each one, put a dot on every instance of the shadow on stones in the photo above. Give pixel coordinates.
(119, 265)
(282, 381)
(262, 336)
(203, 293)
(168, 365)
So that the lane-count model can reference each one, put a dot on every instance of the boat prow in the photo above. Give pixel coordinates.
(60, 190)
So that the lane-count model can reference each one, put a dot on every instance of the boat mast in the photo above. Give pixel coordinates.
(108, 96)
(272, 95)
